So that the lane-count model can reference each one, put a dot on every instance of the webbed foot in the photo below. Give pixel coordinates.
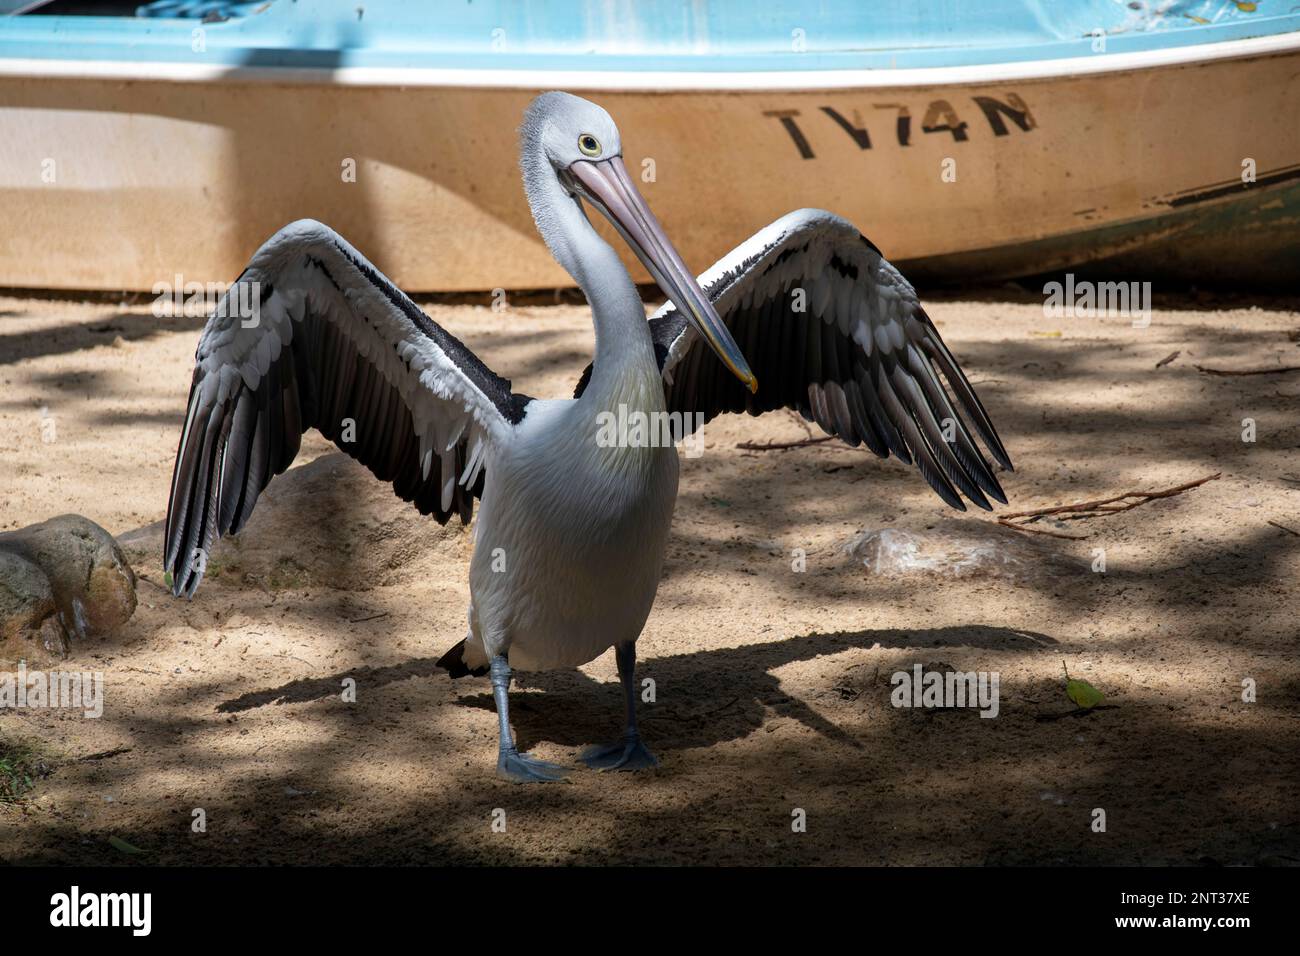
(525, 768)
(627, 754)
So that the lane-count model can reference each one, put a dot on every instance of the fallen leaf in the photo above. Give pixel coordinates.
(117, 843)
(1081, 692)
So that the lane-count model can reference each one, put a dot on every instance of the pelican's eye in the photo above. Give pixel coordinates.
(589, 145)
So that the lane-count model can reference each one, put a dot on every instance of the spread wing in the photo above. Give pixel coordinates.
(833, 331)
(311, 335)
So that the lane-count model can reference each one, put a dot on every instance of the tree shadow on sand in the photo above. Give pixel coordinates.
(709, 695)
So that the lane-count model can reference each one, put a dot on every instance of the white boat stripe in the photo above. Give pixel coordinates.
(648, 81)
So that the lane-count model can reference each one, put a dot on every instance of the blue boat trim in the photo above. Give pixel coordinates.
(597, 35)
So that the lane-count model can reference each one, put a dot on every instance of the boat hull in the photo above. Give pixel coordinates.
(125, 183)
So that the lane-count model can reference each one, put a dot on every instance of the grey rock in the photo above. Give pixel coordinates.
(27, 609)
(62, 581)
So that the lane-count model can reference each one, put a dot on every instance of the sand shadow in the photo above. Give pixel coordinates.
(704, 697)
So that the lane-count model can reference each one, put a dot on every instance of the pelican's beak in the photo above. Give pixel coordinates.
(606, 184)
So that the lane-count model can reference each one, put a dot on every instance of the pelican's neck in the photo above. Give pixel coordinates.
(624, 357)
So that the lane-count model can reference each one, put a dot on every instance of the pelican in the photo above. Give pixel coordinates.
(572, 529)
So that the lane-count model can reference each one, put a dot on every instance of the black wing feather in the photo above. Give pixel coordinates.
(889, 397)
(239, 436)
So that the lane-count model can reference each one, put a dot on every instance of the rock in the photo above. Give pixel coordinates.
(327, 523)
(61, 581)
(960, 549)
(27, 608)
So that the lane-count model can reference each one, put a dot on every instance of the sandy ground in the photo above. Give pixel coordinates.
(772, 686)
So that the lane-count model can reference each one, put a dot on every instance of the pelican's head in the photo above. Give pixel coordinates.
(583, 148)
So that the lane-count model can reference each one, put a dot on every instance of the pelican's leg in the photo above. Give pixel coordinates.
(511, 764)
(628, 753)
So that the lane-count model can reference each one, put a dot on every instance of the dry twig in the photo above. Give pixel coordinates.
(1248, 371)
(780, 445)
(1094, 509)
(1168, 358)
(106, 754)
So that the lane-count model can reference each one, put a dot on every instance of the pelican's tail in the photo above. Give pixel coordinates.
(464, 661)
